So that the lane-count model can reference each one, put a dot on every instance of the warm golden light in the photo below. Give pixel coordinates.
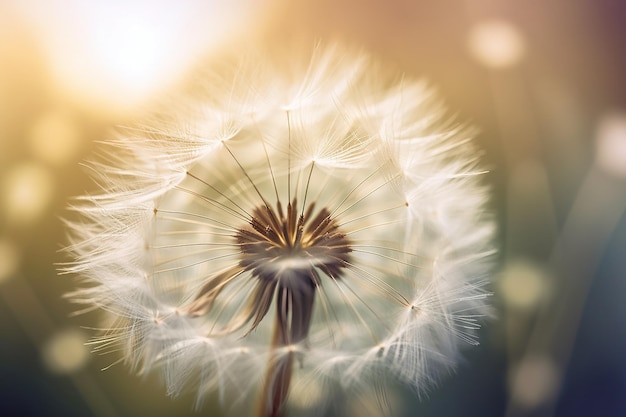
(496, 44)
(611, 144)
(27, 191)
(116, 55)
(522, 284)
(65, 352)
(534, 381)
(9, 259)
(55, 138)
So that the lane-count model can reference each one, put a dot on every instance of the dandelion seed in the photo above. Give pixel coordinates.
(323, 225)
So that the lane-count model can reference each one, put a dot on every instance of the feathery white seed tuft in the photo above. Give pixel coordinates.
(288, 224)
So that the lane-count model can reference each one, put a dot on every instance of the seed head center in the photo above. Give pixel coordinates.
(275, 243)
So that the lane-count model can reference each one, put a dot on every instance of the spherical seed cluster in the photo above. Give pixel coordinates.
(285, 225)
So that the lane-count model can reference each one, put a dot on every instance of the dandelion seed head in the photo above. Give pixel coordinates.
(290, 223)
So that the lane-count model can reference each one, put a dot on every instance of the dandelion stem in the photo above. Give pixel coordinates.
(294, 308)
(277, 380)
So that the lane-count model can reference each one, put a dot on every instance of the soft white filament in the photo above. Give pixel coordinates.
(400, 180)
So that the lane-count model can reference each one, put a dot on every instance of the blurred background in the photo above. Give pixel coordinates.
(543, 81)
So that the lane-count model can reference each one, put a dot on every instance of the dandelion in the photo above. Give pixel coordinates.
(288, 226)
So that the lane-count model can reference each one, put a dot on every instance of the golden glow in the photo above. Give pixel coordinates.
(496, 44)
(534, 381)
(27, 191)
(117, 55)
(522, 284)
(55, 138)
(65, 352)
(9, 260)
(611, 144)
